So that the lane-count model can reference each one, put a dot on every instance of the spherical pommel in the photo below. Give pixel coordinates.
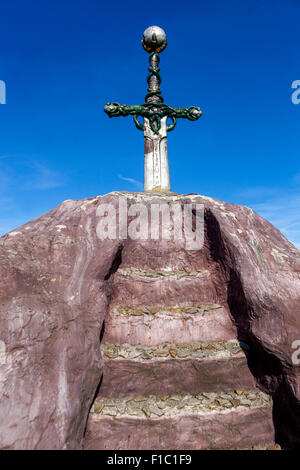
(154, 39)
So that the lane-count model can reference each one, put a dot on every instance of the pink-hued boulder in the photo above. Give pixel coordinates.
(58, 280)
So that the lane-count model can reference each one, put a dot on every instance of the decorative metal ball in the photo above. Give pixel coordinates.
(154, 39)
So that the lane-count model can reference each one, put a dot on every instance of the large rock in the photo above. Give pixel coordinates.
(56, 284)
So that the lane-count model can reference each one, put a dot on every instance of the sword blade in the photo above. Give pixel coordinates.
(156, 167)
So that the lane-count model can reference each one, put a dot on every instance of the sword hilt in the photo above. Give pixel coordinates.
(154, 110)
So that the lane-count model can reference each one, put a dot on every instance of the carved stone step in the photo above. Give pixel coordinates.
(173, 368)
(204, 421)
(141, 287)
(155, 324)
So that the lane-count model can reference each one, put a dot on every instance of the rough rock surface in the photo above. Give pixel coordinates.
(58, 284)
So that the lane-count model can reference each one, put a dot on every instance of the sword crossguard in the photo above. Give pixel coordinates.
(154, 112)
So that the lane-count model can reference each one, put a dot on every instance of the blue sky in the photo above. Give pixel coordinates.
(63, 60)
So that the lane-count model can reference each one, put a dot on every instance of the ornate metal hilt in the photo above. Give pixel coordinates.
(154, 41)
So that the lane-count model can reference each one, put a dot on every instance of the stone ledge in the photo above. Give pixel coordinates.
(159, 309)
(174, 405)
(195, 350)
(160, 274)
(270, 446)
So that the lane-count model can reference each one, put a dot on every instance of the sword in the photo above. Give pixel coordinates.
(155, 114)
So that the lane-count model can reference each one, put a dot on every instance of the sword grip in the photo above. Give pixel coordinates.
(154, 80)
